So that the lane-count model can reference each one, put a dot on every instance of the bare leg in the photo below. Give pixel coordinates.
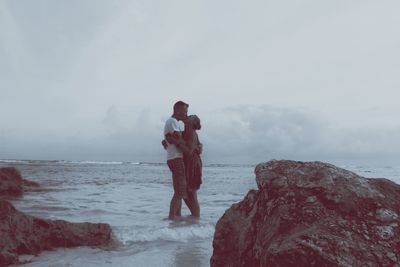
(178, 211)
(176, 202)
(193, 203)
(189, 202)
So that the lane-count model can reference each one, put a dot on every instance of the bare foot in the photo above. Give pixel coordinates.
(193, 218)
(175, 218)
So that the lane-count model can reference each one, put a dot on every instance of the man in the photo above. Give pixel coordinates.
(173, 135)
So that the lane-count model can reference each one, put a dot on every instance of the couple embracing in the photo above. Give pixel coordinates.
(183, 158)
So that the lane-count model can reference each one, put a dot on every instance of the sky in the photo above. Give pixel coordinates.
(302, 80)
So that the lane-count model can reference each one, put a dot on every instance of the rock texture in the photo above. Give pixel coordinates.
(24, 234)
(311, 214)
(12, 184)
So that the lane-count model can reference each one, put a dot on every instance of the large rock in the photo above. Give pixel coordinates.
(24, 234)
(311, 214)
(12, 184)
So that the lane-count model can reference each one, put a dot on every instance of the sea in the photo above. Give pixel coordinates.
(134, 197)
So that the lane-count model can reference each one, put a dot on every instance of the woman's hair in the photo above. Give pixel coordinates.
(195, 121)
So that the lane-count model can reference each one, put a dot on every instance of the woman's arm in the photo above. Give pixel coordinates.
(176, 139)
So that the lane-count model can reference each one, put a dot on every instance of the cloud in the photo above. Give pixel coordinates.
(251, 132)
(235, 134)
(101, 85)
(11, 42)
(254, 133)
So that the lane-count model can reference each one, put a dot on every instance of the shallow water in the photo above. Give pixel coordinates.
(134, 199)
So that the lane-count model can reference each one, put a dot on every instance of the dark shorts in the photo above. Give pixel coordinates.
(177, 168)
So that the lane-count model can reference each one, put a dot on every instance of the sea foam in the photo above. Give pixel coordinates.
(178, 232)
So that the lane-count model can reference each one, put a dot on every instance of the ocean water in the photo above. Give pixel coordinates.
(134, 199)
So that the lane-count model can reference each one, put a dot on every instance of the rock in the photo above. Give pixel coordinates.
(311, 214)
(24, 234)
(12, 184)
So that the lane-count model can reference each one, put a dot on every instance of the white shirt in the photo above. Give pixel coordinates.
(173, 125)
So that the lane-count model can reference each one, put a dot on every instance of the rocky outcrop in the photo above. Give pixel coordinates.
(12, 184)
(24, 234)
(311, 214)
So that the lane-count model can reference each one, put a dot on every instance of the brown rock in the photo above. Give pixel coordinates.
(311, 214)
(12, 184)
(24, 234)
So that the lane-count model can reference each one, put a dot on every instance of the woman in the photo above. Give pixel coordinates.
(193, 163)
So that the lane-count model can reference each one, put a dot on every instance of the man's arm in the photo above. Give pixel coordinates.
(177, 139)
(164, 144)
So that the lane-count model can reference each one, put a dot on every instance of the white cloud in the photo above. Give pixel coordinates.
(303, 79)
(237, 134)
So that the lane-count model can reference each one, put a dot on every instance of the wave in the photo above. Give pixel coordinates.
(12, 161)
(231, 165)
(180, 232)
(69, 162)
(93, 162)
(25, 161)
(99, 162)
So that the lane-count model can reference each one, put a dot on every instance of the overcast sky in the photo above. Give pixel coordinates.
(95, 80)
